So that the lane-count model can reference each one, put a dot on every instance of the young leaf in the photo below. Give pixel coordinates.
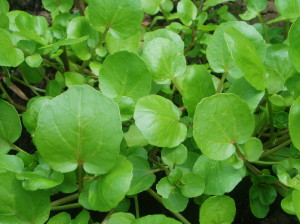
(74, 78)
(151, 7)
(164, 60)
(11, 163)
(294, 43)
(288, 172)
(192, 185)
(157, 219)
(296, 200)
(122, 17)
(220, 122)
(120, 217)
(210, 3)
(62, 217)
(9, 54)
(125, 74)
(34, 61)
(217, 209)
(164, 187)
(197, 84)
(219, 177)
(173, 156)
(158, 120)
(246, 57)
(175, 202)
(19, 205)
(294, 123)
(75, 129)
(62, 6)
(254, 7)
(187, 11)
(253, 149)
(10, 126)
(258, 209)
(107, 191)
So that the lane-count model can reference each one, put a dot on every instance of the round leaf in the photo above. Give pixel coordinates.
(62, 217)
(4, 6)
(294, 123)
(9, 54)
(175, 202)
(220, 122)
(158, 120)
(120, 217)
(75, 128)
(115, 44)
(63, 6)
(219, 177)
(125, 74)
(164, 60)
(253, 149)
(288, 172)
(151, 7)
(294, 43)
(187, 11)
(155, 219)
(10, 126)
(174, 156)
(193, 185)
(73, 78)
(217, 209)
(122, 17)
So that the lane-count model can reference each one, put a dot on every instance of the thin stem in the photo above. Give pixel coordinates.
(275, 149)
(176, 214)
(267, 163)
(193, 42)
(80, 173)
(65, 207)
(136, 205)
(164, 14)
(5, 92)
(27, 84)
(64, 58)
(64, 200)
(160, 165)
(270, 110)
(222, 82)
(264, 27)
(103, 36)
(53, 65)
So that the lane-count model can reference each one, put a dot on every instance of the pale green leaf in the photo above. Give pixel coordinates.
(187, 11)
(294, 123)
(294, 43)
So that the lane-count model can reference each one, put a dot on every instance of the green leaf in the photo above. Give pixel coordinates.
(287, 204)
(164, 60)
(173, 156)
(20, 206)
(167, 34)
(9, 54)
(218, 54)
(296, 199)
(192, 185)
(175, 202)
(106, 192)
(143, 178)
(254, 7)
(246, 57)
(175, 175)
(11, 163)
(267, 194)
(219, 177)
(53, 88)
(32, 75)
(288, 9)
(253, 149)
(126, 105)
(287, 172)
(4, 6)
(187, 11)
(4, 20)
(73, 78)
(164, 187)
(217, 209)
(157, 219)
(125, 74)
(120, 217)
(75, 129)
(220, 122)
(258, 209)
(82, 218)
(294, 123)
(151, 7)
(62, 6)
(210, 3)
(10, 126)
(158, 120)
(246, 92)
(115, 44)
(294, 43)
(62, 217)
(197, 84)
(122, 17)
(69, 184)
(34, 61)
(134, 137)
(30, 116)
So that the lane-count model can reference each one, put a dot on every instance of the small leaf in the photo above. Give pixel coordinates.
(217, 209)
(158, 120)
(62, 217)
(157, 219)
(175, 202)
(287, 172)
(210, 3)
(10, 126)
(53, 5)
(34, 61)
(164, 60)
(173, 156)
(151, 7)
(187, 11)
(73, 78)
(258, 209)
(75, 129)
(219, 177)
(125, 74)
(82, 218)
(120, 217)
(246, 57)
(294, 42)
(220, 122)
(193, 185)
(126, 105)
(122, 17)
(11, 163)
(164, 187)
(253, 149)
(296, 199)
(294, 123)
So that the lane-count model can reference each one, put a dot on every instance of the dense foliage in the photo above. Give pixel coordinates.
(179, 99)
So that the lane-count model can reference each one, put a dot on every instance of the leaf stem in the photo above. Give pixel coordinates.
(275, 149)
(270, 110)
(136, 205)
(159, 199)
(64, 200)
(64, 58)
(160, 165)
(80, 173)
(27, 84)
(65, 207)
(264, 27)
(222, 82)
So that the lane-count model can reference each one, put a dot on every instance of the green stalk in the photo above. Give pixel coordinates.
(65, 207)
(275, 149)
(80, 174)
(27, 84)
(271, 122)
(176, 214)
(64, 200)
(264, 26)
(222, 82)
(136, 205)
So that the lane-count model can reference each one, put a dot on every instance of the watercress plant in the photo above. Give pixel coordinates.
(179, 99)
